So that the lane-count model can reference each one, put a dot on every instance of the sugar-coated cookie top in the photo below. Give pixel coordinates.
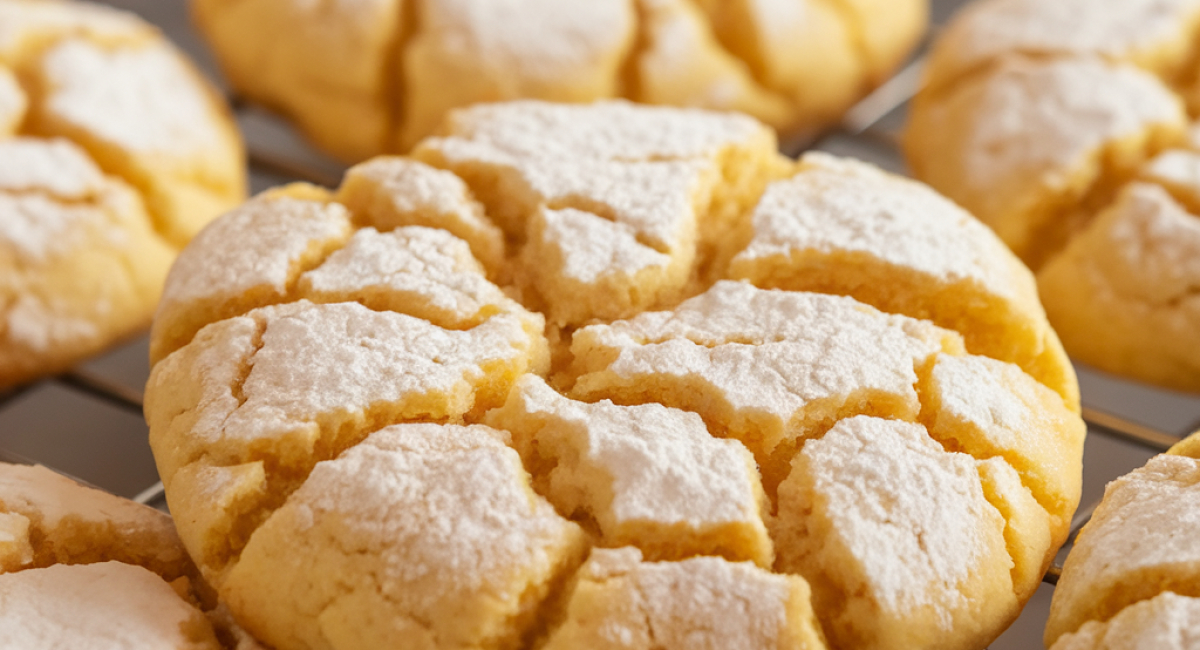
(106, 606)
(542, 406)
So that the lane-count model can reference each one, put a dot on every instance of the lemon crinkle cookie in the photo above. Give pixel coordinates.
(1065, 127)
(1130, 580)
(621, 426)
(113, 153)
(365, 78)
(84, 569)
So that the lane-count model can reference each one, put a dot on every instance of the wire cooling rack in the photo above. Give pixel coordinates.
(87, 423)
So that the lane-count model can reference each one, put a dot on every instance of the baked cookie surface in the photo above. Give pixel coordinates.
(113, 153)
(513, 391)
(81, 568)
(367, 78)
(1131, 579)
(1065, 127)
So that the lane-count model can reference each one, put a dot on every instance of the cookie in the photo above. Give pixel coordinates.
(114, 152)
(1130, 580)
(82, 568)
(1064, 127)
(635, 409)
(367, 78)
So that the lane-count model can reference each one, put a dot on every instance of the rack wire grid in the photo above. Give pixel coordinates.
(87, 423)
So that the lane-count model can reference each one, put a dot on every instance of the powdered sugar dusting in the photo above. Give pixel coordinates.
(56, 167)
(913, 515)
(705, 603)
(646, 464)
(48, 498)
(1166, 622)
(836, 206)
(420, 522)
(1127, 29)
(143, 99)
(104, 606)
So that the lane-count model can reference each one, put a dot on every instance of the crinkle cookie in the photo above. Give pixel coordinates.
(363, 78)
(113, 153)
(80, 568)
(1132, 580)
(1064, 126)
(612, 376)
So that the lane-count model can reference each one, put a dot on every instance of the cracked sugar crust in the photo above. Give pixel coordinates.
(1140, 542)
(1166, 622)
(88, 217)
(847, 228)
(768, 368)
(896, 537)
(1135, 269)
(647, 476)
(234, 424)
(244, 415)
(252, 257)
(705, 603)
(364, 78)
(610, 197)
(990, 409)
(80, 266)
(389, 192)
(105, 606)
(429, 534)
(1153, 34)
(1022, 145)
(67, 523)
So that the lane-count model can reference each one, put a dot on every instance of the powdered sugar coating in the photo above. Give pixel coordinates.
(1024, 130)
(1140, 542)
(107, 606)
(739, 354)
(855, 209)
(431, 532)
(702, 603)
(1166, 622)
(650, 476)
(144, 100)
(1136, 30)
(898, 525)
(50, 498)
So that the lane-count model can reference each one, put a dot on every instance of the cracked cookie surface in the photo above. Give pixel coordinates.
(114, 152)
(1061, 125)
(363, 78)
(346, 400)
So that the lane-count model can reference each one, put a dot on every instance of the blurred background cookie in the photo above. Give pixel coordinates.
(1065, 127)
(674, 374)
(365, 78)
(114, 152)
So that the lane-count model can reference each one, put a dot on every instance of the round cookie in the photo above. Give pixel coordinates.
(1064, 127)
(367, 78)
(590, 376)
(114, 152)
(1131, 579)
(81, 568)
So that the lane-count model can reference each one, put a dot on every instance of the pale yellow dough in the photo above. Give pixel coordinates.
(367, 77)
(1131, 579)
(80, 568)
(114, 152)
(1064, 126)
(607, 376)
